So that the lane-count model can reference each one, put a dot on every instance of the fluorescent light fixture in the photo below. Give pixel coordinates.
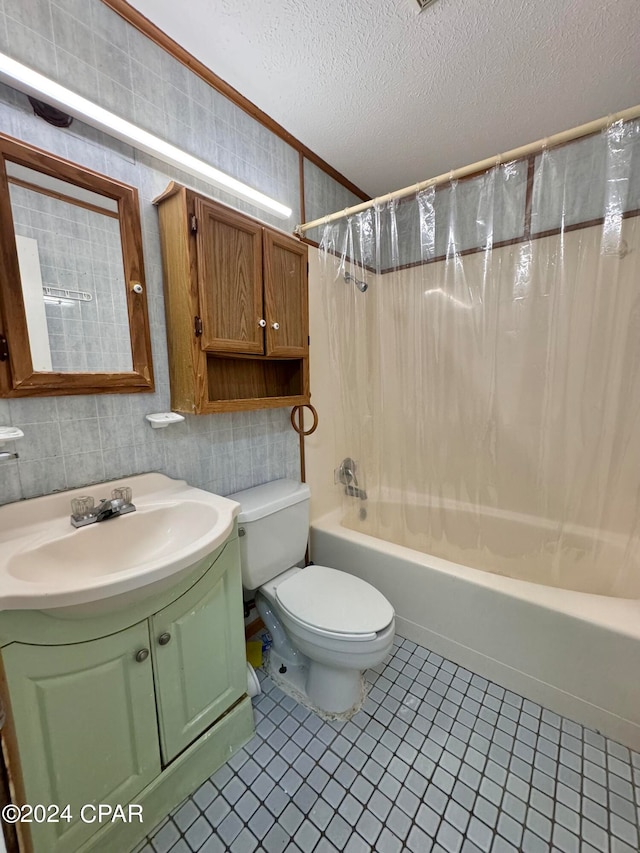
(38, 86)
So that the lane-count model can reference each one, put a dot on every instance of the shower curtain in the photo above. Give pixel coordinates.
(485, 337)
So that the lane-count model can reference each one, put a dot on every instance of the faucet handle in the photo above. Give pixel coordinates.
(82, 506)
(347, 472)
(123, 493)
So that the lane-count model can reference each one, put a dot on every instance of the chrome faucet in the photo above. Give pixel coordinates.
(84, 512)
(107, 508)
(347, 476)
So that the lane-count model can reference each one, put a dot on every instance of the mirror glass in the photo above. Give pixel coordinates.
(72, 274)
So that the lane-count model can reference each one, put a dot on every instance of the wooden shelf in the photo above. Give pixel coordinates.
(239, 378)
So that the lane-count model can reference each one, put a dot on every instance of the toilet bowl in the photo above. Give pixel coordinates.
(341, 624)
(327, 626)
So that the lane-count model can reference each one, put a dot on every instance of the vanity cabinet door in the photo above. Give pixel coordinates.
(199, 654)
(85, 722)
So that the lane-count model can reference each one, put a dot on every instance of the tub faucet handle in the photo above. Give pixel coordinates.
(346, 474)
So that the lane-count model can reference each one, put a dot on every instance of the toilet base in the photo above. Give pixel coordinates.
(283, 673)
(333, 690)
(321, 689)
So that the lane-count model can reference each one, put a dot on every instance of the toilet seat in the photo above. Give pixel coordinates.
(334, 604)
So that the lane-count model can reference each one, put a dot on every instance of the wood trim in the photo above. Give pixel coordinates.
(528, 199)
(303, 213)
(629, 214)
(155, 34)
(17, 377)
(251, 404)
(70, 384)
(57, 167)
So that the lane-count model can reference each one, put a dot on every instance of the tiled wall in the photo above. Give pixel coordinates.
(84, 45)
(323, 195)
(73, 441)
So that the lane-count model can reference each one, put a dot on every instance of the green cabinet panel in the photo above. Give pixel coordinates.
(199, 655)
(85, 720)
(98, 723)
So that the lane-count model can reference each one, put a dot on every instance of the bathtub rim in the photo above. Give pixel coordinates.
(577, 668)
(620, 615)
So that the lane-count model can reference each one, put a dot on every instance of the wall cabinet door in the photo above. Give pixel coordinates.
(285, 296)
(86, 727)
(252, 284)
(229, 250)
(199, 656)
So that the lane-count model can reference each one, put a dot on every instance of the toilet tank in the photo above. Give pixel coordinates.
(273, 526)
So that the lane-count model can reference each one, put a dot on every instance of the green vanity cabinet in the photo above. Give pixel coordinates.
(137, 705)
(85, 720)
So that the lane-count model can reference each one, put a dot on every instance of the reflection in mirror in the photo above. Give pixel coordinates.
(75, 300)
(73, 304)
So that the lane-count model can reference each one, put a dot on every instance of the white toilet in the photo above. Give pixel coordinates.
(327, 626)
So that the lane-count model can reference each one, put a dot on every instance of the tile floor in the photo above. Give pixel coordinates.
(438, 759)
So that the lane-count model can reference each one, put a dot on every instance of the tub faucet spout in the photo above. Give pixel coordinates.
(355, 492)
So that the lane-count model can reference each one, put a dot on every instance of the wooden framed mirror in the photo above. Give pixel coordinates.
(73, 305)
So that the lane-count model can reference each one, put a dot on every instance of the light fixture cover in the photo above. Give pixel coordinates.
(38, 86)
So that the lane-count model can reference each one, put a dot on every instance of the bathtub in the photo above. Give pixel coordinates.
(575, 652)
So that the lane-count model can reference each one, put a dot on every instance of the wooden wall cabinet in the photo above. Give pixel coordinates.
(236, 301)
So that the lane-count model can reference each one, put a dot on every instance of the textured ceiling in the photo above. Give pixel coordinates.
(390, 97)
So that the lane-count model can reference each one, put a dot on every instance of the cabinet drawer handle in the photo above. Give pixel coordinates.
(275, 326)
(262, 323)
(163, 639)
(142, 655)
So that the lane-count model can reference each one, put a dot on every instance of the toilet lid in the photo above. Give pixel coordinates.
(335, 602)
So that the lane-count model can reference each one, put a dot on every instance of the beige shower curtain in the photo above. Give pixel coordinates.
(489, 374)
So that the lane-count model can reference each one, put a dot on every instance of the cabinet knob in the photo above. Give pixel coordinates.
(142, 655)
(275, 326)
(163, 639)
(262, 323)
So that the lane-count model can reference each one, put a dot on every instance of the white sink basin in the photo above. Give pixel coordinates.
(45, 563)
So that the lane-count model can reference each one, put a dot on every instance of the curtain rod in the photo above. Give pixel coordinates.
(481, 165)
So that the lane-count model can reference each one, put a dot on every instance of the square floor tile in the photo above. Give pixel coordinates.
(439, 759)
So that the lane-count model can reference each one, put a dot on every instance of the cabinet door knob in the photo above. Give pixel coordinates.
(163, 639)
(262, 323)
(275, 326)
(142, 655)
